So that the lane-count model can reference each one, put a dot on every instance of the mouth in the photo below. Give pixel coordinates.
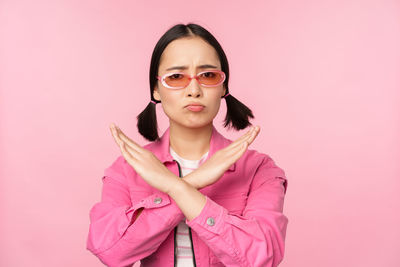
(194, 107)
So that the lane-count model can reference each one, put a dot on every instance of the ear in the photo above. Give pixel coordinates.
(156, 94)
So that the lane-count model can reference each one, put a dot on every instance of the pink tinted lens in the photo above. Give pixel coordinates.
(211, 78)
(208, 78)
(177, 80)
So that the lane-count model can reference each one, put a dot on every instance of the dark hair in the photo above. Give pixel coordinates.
(237, 113)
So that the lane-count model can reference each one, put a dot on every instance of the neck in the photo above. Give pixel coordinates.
(190, 143)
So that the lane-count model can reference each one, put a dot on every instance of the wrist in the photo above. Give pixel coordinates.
(178, 188)
(190, 180)
(174, 184)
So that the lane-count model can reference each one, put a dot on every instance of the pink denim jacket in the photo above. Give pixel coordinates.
(241, 224)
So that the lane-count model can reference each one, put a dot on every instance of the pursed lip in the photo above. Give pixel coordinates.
(194, 104)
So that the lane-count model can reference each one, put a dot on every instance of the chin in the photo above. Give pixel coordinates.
(194, 123)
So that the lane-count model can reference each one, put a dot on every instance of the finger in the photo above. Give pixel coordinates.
(236, 153)
(248, 140)
(246, 135)
(243, 138)
(137, 155)
(114, 135)
(241, 151)
(123, 145)
(251, 135)
(236, 150)
(128, 157)
(128, 141)
(240, 140)
(254, 135)
(118, 137)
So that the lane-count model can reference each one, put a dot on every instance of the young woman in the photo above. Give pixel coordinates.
(191, 197)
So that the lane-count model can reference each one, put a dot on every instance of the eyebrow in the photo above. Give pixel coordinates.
(205, 66)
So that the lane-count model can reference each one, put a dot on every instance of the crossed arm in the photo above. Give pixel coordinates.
(254, 239)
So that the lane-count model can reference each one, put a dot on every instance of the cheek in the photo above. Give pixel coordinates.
(170, 105)
(215, 107)
(215, 100)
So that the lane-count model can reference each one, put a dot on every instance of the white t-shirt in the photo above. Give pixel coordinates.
(184, 246)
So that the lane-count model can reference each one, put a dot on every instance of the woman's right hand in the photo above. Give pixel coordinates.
(213, 169)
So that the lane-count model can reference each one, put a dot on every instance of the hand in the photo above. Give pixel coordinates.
(145, 163)
(213, 169)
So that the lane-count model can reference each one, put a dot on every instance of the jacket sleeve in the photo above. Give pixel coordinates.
(255, 238)
(115, 237)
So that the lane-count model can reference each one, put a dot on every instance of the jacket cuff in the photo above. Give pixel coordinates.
(210, 220)
(167, 209)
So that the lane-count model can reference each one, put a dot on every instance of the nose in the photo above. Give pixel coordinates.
(193, 88)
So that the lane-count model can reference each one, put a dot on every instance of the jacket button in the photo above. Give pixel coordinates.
(157, 200)
(210, 221)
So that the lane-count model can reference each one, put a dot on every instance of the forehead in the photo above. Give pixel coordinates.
(189, 52)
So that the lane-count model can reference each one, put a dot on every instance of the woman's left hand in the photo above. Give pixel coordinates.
(145, 163)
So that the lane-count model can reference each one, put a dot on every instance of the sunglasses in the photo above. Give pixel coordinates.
(178, 80)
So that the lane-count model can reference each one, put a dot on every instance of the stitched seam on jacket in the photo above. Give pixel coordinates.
(235, 252)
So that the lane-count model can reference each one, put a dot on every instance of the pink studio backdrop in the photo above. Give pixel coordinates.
(322, 78)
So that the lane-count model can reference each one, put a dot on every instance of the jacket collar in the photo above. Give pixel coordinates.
(160, 147)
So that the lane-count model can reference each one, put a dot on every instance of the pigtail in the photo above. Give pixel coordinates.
(237, 113)
(147, 122)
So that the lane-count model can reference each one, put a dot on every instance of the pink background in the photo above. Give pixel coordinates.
(322, 78)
